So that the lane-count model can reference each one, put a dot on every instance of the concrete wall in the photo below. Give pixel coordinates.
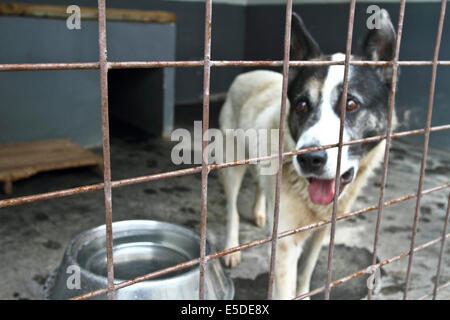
(253, 29)
(227, 42)
(53, 104)
(328, 24)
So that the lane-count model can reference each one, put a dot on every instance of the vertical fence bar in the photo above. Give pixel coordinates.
(348, 48)
(287, 45)
(441, 252)
(106, 145)
(388, 132)
(107, 185)
(426, 140)
(205, 126)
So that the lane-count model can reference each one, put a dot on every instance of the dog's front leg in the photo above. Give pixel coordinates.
(259, 207)
(288, 249)
(232, 178)
(288, 253)
(309, 259)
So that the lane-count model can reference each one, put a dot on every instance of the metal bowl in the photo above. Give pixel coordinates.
(140, 247)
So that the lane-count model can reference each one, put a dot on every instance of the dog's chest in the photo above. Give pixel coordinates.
(296, 210)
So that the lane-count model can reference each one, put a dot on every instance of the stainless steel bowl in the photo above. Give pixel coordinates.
(140, 247)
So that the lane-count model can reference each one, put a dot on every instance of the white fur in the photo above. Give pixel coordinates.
(326, 130)
(253, 101)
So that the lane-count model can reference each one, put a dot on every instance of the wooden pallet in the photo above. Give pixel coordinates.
(86, 13)
(19, 160)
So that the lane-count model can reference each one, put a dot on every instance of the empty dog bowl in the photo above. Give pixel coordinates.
(140, 247)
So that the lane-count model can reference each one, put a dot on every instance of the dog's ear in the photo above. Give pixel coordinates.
(379, 44)
(303, 45)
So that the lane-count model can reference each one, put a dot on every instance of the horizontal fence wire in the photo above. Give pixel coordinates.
(254, 243)
(207, 63)
(369, 268)
(194, 170)
(200, 63)
(433, 294)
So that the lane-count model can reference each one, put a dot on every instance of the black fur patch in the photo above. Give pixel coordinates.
(366, 121)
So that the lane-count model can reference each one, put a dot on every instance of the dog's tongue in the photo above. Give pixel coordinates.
(321, 191)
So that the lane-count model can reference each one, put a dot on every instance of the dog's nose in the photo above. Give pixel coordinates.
(312, 162)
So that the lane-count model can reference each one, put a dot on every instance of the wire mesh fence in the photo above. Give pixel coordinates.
(103, 65)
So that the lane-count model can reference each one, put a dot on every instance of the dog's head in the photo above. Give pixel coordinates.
(314, 94)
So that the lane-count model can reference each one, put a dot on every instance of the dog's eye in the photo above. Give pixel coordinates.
(302, 105)
(352, 104)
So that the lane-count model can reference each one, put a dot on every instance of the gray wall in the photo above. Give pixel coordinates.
(328, 24)
(227, 42)
(54, 104)
(256, 32)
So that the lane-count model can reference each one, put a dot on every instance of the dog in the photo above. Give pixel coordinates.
(312, 119)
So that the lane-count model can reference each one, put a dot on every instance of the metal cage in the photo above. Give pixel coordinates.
(104, 65)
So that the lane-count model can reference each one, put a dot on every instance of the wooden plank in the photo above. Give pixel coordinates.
(88, 13)
(20, 160)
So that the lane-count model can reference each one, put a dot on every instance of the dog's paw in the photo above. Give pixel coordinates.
(259, 211)
(232, 260)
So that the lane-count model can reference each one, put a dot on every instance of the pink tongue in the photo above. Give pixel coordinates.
(321, 191)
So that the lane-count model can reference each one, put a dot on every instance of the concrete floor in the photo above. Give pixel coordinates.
(33, 237)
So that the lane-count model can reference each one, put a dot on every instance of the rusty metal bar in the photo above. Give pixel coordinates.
(205, 127)
(441, 252)
(251, 244)
(264, 63)
(276, 211)
(103, 65)
(199, 63)
(364, 210)
(130, 282)
(49, 195)
(426, 139)
(337, 180)
(378, 265)
(437, 290)
(155, 64)
(176, 173)
(49, 66)
(388, 132)
(106, 144)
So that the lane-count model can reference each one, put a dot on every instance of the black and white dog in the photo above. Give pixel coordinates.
(313, 119)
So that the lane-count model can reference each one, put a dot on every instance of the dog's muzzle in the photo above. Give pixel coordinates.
(322, 191)
(312, 162)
